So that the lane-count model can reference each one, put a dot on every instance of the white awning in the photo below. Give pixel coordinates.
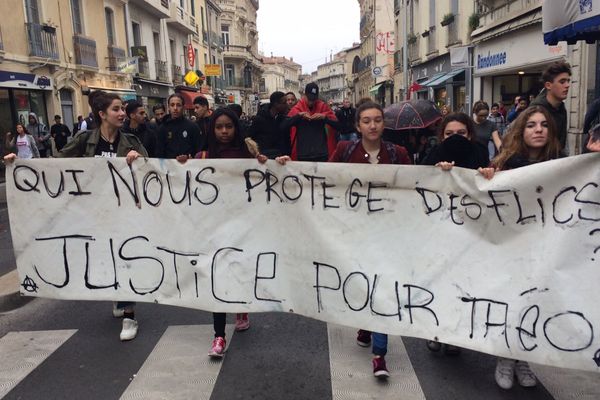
(570, 20)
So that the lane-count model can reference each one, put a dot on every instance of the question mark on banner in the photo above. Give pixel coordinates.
(597, 249)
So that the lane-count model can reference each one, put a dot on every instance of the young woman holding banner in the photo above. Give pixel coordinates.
(225, 140)
(532, 139)
(369, 149)
(107, 141)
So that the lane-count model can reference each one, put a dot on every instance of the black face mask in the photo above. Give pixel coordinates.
(459, 149)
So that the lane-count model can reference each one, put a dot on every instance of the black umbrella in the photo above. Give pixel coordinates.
(411, 114)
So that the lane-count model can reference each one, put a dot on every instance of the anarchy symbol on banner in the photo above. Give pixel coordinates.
(29, 285)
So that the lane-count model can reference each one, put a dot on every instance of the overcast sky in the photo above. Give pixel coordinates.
(308, 30)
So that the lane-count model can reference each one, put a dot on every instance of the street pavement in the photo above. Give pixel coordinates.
(51, 349)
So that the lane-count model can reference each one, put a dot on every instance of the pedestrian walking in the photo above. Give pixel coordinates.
(312, 127)
(266, 129)
(521, 105)
(23, 144)
(59, 132)
(201, 110)
(178, 137)
(498, 119)
(533, 138)
(557, 80)
(40, 133)
(369, 149)
(346, 116)
(486, 132)
(108, 140)
(225, 140)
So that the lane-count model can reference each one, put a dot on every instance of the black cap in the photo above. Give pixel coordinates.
(312, 91)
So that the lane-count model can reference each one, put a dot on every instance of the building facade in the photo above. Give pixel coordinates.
(331, 78)
(242, 65)
(280, 74)
(509, 56)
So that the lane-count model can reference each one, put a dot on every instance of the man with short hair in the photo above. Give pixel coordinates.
(41, 135)
(557, 80)
(137, 124)
(159, 113)
(60, 132)
(497, 118)
(201, 110)
(346, 117)
(266, 128)
(312, 127)
(291, 100)
(178, 137)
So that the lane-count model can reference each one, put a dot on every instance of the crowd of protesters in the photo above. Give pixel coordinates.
(307, 129)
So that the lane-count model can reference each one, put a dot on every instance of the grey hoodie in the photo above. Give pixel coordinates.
(39, 132)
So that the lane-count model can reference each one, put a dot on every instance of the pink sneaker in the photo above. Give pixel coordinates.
(218, 347)
(241, 322)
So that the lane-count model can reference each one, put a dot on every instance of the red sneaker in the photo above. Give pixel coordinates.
(241, 322)
(379, 368)
(363, 338)
(218, 347)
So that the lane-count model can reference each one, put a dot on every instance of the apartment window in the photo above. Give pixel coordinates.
(454, 6)
(431, 13)
(137, 36)
(229, 74)
(196, 58)
(193, 8)
(110, 25)
(182, 3)
(33, 11)
(156, 39)
(76, 11)
(225, 34)
(202, 18)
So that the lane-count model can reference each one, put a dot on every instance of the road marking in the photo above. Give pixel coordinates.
(178, 367)
(568, 384)
(352, 371)
(22, 352)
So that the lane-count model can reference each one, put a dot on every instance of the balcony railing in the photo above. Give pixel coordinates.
(452, 32)
(490, 12)
(431, 41)
(238, 82)
(116, 55)
(413, 49)
(42, 41)
(85, 51)
(143, 69)
(161, 71)
(216, 39)
(177, 77)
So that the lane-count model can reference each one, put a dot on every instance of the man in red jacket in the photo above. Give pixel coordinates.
(312, 127)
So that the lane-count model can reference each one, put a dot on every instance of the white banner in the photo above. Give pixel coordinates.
(508, 267)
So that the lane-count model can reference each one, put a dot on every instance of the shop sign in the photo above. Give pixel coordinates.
(491, 60)
(212, 70)
(18, 80)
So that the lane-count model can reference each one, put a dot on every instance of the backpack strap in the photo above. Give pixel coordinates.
(349, 150)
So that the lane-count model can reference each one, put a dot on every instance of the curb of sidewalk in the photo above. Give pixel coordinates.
(10, 298)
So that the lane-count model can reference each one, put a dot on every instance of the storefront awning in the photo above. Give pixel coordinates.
(425, 84)
(445, 78)
(189, 97)
(376, 87)
(570, 20)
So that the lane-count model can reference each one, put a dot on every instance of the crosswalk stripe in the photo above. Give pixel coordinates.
(351, 369)
(178, 367)
(568, 384)
(22, 352)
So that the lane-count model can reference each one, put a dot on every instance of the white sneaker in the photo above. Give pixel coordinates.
(130, 328)
(505, 373)
(117, 312)
(525, 375)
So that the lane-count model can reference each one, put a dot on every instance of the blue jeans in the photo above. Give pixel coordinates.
(380, 341)
(125, 304)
